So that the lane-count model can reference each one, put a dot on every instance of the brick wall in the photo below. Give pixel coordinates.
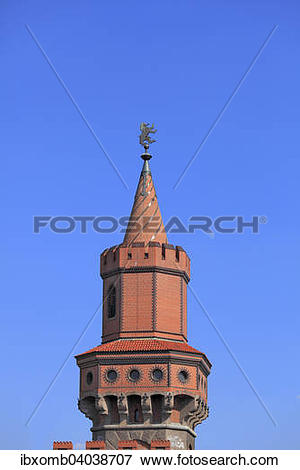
(150, 287)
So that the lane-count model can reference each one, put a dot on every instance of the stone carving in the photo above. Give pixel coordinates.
(146, 407)
(146, 403)
(87, 407)
(122, 405)
(100, 405)
(198, 412)
(169, 402)
(168, 405)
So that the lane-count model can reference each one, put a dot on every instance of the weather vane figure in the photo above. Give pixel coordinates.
(145, 138)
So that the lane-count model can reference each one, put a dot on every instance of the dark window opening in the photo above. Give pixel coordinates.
(129, 255)
(111, 302)
(89, 378)
(113, 412)
(163, 252)
(135, 412)
(177, 254)
(157, 408)
(146, 255)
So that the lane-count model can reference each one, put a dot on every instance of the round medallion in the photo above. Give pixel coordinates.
(111, 375)
(157, 374)
(134, 375)
(183, 375)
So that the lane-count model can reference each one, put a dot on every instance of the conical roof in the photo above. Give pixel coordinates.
(145, 223)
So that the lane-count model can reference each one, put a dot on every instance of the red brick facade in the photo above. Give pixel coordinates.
(150, 292)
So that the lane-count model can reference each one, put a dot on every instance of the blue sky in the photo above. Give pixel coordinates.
(174, 63)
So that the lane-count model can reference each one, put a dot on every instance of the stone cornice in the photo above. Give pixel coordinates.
(153, 332)
(144, 427)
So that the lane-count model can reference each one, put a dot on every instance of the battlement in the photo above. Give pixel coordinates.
(160, 444)
(132, 444)
(141, 256)
(89, 445)
(62, 445)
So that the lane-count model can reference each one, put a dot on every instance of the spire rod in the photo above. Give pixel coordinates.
(146, 155)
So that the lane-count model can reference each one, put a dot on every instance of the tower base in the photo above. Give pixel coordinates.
(180, 437)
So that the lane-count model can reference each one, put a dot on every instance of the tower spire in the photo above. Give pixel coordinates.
(145, 222)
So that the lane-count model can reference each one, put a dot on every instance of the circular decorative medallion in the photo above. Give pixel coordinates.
(111, 375)
(134, 375)
(183, 375)
(89, 378)
(157, 374)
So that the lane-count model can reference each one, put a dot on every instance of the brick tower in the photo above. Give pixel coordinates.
(144, 387)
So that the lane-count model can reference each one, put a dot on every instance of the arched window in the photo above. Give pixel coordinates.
(136, 415)
(111, 302)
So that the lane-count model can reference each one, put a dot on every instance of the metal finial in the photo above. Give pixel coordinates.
(145, 138)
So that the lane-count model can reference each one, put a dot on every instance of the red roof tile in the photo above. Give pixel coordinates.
(124, 345)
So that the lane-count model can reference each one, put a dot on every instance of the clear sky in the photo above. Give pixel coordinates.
(175, 63)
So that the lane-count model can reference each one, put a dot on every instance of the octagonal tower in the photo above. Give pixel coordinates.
(144, 384)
